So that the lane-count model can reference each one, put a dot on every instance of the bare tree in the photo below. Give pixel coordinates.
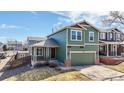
(114, 17)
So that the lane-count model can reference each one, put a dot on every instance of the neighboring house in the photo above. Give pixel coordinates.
(78, 43)
(14, 45)
(111, 42)
(1, 46)
(33, 40)
(22, 54)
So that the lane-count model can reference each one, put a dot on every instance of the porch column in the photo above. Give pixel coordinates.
(47, 53)
(107, 50)
(35, 54)
(116, 49)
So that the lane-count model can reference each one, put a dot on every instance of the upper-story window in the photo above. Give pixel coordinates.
(76, 35)
(102, 35)
(91, 36)
(110, 35)
(118, 36)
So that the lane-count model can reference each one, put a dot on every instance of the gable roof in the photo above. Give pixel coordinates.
(111, 29)
(46, 43)
(82, 25)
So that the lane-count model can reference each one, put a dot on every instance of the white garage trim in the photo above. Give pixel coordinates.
(91, 44)
(83, 52)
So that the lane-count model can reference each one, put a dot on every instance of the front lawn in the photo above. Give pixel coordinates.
(119, 67)
(69, 76)
(34, 74)
(49, 74)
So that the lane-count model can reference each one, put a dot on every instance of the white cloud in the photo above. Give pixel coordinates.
(93, 17)
(8, 26)
(5, 26)
(34, 12)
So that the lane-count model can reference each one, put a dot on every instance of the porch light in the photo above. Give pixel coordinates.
(69, 46)
(81, 46)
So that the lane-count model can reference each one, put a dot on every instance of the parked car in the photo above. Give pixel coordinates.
(2, 55)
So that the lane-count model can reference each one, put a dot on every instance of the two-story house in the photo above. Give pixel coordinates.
(111, 42)
(14, 45)
(78, 43)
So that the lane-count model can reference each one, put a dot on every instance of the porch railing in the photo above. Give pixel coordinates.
(40, 58)
(110, 53)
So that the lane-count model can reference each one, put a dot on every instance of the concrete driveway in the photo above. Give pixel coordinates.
(97, 72)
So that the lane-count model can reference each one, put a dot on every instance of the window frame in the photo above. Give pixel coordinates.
(76, 39)
(118, 35)
(41, 51)
(102, 35)
(89, 36)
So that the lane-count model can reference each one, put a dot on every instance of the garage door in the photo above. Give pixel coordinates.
(83, 58)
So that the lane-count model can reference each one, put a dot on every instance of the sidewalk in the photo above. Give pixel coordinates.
(3, 62)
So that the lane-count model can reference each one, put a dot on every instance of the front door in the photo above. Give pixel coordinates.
(114, 49)
(53, 53)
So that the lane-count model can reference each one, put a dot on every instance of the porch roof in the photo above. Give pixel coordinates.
(46, 43)
(116, 43)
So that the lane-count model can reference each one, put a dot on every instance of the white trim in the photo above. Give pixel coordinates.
(74, 45)
(98, 43)
(76, 31)
(66, 43)
(91, 44)
(84, 36)
(83, 52)
(116, 50)
(82, 26)
(75, 28)
(89, 36)
(107, 50)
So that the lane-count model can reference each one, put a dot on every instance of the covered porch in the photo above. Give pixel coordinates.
(111, 48)
(44, 52)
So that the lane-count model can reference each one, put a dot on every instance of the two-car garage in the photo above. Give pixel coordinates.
(82, 57)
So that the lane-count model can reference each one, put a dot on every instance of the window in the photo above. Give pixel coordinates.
(110, 35)
(76, 35)
(39, 51)
(73, 35)
(118, 36)
(102, 35)
(91, 36)
(32, 51)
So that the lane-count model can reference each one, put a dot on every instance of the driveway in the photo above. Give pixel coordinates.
(97, 72)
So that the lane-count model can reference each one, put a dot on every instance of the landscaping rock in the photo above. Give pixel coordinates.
(111, 60)
(65, 69)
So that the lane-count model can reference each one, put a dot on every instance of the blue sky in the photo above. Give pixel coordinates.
(19, 25)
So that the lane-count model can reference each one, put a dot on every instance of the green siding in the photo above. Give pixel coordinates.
(82, 58)
(95, 35)
(85, 36)
(75, 42)
(60, 38)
